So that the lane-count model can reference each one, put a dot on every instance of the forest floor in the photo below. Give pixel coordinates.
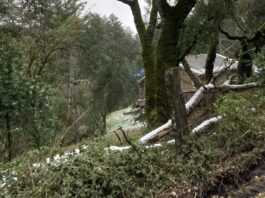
(231, 179)
(228, 160)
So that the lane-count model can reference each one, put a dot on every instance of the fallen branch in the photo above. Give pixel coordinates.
(206, 124)
(130, 143)
(153, 133)
(197, 97)
(200, 128)
(195, 101)
(118, 137)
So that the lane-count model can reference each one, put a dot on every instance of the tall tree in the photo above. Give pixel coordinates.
(158, 58)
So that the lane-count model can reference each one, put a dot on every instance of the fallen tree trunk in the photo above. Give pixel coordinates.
(164, 130)
(206, 124)
(195, 101)
(200, 128)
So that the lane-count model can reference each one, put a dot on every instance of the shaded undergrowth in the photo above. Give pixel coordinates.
(209, 163)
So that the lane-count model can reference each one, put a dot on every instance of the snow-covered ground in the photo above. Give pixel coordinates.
(126, 121)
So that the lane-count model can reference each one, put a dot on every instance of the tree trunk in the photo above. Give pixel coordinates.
(104, 120)
(177, 105)
(150, 83)
(72, 114)
(157, 63)
(209, 66)
(9, 137)
(245, 63)
(146, 38)
(165, 58)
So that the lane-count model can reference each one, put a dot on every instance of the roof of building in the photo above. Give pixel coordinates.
(197, 63)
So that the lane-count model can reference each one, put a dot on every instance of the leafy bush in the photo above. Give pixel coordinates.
(95, 172)
(26, 105)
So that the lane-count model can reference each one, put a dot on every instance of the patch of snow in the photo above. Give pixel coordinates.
(117, 148)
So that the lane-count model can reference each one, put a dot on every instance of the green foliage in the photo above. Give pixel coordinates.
(242, 126)
(259, 60)
(151, 172)
(54, 49)
(110, 59)
(97, 173)
(27, 101)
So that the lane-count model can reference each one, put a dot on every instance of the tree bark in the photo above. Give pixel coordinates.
(157, 59)
(177, 105)
(146, 38)
(209, 66)
(245, 63)
(165, 59)
(9, 137)
(72, 112)
(172, 23)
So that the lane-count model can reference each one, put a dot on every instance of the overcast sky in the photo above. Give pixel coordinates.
(108, 7)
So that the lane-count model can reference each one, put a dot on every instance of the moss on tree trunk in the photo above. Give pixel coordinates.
(155, 64)
(209, 66)
(150, 86)
(165, 58)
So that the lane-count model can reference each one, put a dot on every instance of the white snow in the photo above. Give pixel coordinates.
(198, 96)
(206, 124)
(9, 174)
(117, 148)
(153, 133)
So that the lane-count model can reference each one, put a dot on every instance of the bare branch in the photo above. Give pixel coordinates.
(196, 81)
(238, 24)
(240, 38)
(130, 143)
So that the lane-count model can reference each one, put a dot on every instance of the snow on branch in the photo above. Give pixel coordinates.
(206, 124)
(200, 128)
(190, 106)
(153, 133)
(195, 100)
(197, 97)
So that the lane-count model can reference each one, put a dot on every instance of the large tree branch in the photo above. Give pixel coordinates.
(196, 81)
(200, 128)
(183, 8)
(46, 58)
(239, 38)
(163, 7)
(195, 100)
(153, 20)
(138, 20)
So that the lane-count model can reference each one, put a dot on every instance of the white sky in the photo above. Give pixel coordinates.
(108, 7)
